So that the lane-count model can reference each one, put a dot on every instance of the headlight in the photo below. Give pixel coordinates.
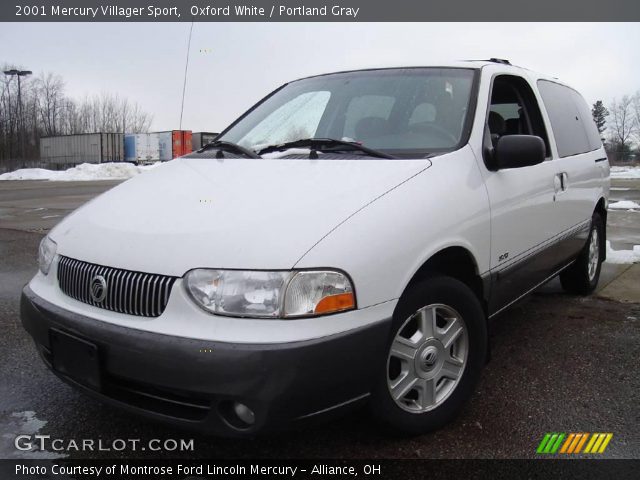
(46, 253)
(234, 292)
(276, 294)
(317, 293)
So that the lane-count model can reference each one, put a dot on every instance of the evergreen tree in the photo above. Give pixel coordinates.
(600, 113)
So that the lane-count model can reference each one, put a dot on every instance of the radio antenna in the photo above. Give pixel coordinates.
(186, 68)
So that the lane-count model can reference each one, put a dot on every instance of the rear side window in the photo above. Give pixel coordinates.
(570, 118)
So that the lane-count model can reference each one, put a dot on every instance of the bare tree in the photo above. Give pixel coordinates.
(111, 113)
(47, 110)
(636, 113)
(71, 120)
(7, 118)
(50, 100)
(137, 120)
(623, 125)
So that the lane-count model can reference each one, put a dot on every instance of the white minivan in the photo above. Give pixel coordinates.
(345, 241)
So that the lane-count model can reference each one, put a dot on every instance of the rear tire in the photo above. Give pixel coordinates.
(436, 351)
(581, 278)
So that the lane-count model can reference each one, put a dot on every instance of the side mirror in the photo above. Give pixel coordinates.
(516, 151)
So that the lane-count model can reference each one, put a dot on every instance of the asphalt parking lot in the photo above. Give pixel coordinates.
(559, 364)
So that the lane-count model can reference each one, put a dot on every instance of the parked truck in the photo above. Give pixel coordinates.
(142, 147)
(64, 151)
(174, 143)
(200, 139)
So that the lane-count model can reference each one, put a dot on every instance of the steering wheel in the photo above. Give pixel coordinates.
(424, 127)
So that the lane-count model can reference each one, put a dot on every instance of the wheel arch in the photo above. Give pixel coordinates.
(456, 262)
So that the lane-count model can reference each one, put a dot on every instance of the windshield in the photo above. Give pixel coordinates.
(401, 111)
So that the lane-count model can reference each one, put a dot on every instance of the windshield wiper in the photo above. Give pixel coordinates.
(323, 144)
(223, 146)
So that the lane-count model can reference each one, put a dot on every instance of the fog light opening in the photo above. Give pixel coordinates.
(237, 414)
(244, 413)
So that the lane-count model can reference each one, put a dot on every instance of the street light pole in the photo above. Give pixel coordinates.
(20, 73)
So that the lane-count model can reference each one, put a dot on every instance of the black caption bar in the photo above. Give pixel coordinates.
(317, 10)
(315, 469)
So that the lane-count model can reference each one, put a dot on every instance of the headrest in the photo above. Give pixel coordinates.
(497, 125)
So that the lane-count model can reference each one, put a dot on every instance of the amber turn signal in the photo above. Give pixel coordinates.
(336, 303)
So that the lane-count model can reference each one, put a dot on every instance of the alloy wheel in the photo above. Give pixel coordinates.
(594, 254)
(427, 358)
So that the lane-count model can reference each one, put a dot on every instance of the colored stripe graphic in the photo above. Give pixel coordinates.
(572, 443)
(543, 443)
(607, 439)
(556, 445)
(567, 442)
(581, 443)
(598, 443)
(592, 440)
(550, 443)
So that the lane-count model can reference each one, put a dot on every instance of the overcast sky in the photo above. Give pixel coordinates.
(232, 65)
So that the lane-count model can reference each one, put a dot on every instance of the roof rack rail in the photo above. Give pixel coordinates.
(500, 60)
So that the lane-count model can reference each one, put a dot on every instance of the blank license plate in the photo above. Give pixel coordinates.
(76, 358)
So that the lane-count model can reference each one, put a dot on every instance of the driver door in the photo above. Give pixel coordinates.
(521, 199)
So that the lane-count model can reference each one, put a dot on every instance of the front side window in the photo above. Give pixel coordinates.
(514, 110)
(405, 112)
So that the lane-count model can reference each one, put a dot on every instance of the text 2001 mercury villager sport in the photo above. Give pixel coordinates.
(346, 240)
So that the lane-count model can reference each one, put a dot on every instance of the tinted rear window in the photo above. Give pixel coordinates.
(571, 120)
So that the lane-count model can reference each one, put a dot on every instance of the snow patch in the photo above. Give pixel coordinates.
(625, 172)
(85, 171)
(23, 423)
(289, 151)
(624, 205)
(623, 256)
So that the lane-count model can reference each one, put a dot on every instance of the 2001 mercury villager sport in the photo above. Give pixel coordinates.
(345, 240)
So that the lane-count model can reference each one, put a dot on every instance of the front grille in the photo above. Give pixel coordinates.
(133, 293)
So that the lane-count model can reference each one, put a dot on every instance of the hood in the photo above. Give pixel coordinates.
(225, 213)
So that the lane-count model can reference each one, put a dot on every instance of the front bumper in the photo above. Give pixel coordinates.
(192, 383)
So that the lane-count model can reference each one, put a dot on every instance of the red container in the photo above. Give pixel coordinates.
(174, 143)
(181, 142)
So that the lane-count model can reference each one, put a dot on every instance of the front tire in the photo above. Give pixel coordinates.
(436, 352)
(581, 278)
